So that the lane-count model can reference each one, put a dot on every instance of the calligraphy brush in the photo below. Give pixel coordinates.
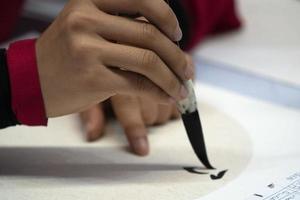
(192, 123)
(191, 120)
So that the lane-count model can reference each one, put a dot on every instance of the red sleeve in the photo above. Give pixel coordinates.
(9, 14)
(210, 16)
(26, 94)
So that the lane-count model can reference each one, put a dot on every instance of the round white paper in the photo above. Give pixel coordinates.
(55, 163)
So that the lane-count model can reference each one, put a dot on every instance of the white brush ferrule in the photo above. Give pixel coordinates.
(189, 104)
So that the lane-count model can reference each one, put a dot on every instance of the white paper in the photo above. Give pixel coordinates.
(283, 189)
(56, 162)
(260, 144)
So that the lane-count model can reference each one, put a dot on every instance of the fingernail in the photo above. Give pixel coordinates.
(183, 92)
(189, 72)
(178, 34)
(140, 146)
(91, 137)
(90, 133)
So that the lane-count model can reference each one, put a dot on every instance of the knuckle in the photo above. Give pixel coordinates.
(181, 61)
(78, 48)
(164, 114)
(149, 58)
(148, 89)
(141, 83)
(173, 85)
(75, 20)
(148, 33)
(149, 119)
(84, 49)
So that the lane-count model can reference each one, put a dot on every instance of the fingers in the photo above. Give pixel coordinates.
(157, 114)
(156, 12)
(146, 63)
(93, 120)
(149, 111)
(134, 114)
(128, 113)
(164, 113)
(142, 34)
(175, 113)
(129, 83)
(191, 63)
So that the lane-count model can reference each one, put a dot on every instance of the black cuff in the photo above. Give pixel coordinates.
(183, 19)
(7, 116)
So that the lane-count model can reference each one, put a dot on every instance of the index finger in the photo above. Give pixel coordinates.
(157, 12)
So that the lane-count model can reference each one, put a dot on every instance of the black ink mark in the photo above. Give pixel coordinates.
(197, 170)
(194, 170)
(271, 186)
(219, 175)
(258, 195)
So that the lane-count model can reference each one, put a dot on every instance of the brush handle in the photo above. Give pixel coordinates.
(189, 104)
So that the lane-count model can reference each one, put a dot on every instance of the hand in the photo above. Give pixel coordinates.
(88, 55)
(134, 114)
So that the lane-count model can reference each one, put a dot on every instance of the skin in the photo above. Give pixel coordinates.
(96, 55)
(135, 114)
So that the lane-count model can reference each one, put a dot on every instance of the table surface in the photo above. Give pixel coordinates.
(267, 46)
